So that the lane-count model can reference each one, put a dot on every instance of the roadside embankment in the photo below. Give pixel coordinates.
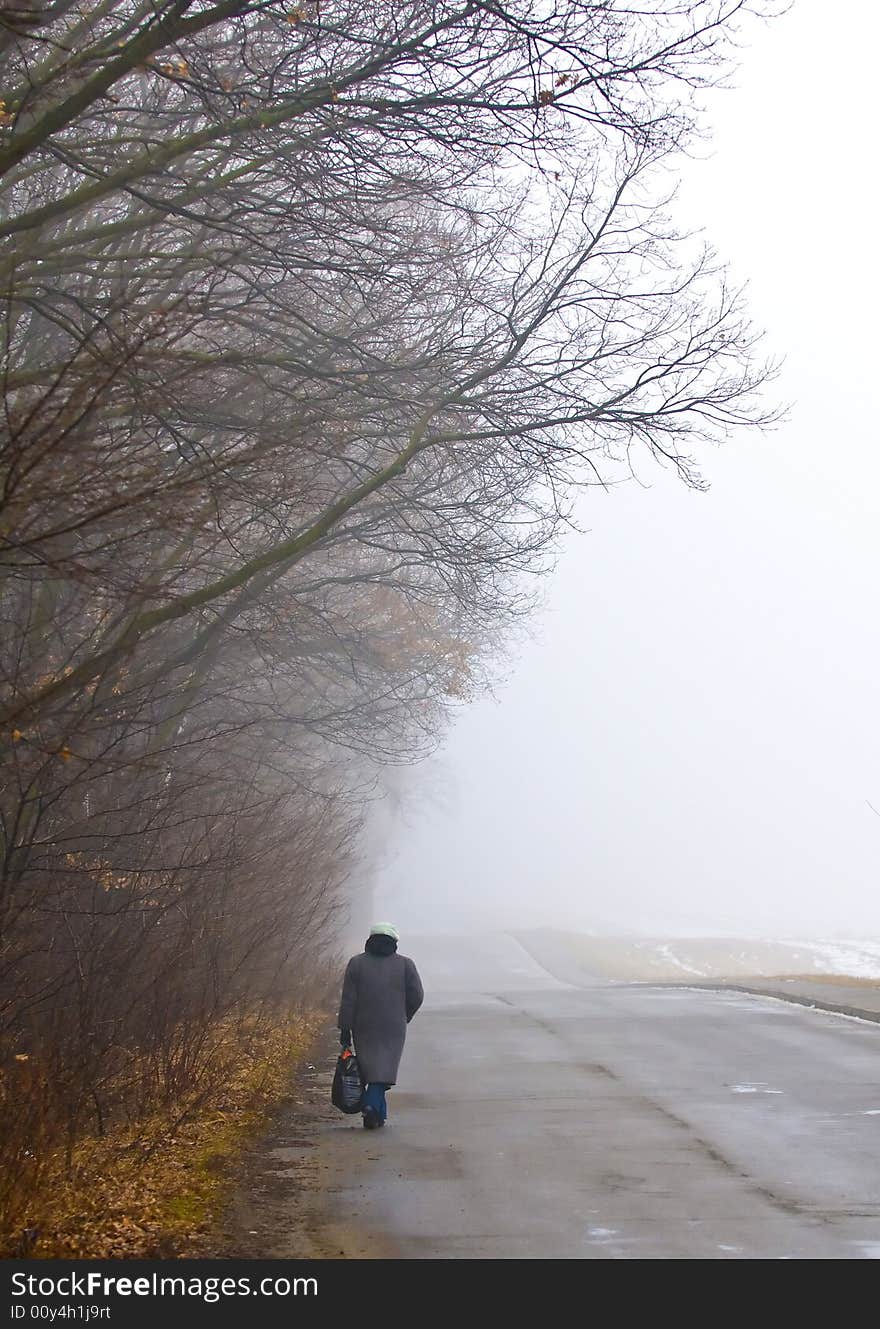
(588, 958)
(781, 969)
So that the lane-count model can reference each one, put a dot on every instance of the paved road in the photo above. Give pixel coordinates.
(539, 1119)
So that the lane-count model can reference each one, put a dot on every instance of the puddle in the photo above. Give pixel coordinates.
(753, 1088)
(870, 1249)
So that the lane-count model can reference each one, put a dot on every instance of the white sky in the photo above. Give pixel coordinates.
(689, 742)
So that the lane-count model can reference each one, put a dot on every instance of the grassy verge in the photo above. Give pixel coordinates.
(154, 1189)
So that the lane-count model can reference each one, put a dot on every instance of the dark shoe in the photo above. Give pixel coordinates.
(371, 1119)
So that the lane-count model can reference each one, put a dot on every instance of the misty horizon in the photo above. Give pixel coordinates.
(687, 742)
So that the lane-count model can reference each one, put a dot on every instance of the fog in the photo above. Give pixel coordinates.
(688, 741)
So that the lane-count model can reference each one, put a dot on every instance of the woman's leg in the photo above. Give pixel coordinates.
(374, 1106)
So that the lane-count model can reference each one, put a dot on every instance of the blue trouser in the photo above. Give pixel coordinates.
(374, 1097)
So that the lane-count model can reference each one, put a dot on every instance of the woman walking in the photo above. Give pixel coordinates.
(381, 993)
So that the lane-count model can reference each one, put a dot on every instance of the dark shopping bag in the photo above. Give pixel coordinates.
(347, 1090)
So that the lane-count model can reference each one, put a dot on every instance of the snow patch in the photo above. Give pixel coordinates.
(665, 953)
(857, 959)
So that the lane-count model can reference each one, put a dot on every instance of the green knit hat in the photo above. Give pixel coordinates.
(385, 930)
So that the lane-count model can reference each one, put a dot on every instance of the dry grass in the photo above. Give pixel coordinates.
(650, 959)
(154, 1189)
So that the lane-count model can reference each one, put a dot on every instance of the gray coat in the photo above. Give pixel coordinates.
(380, 995)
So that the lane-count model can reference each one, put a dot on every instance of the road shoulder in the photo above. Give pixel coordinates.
(858, 1002)
(280, 1204)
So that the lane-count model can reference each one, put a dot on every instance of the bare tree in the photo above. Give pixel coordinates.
(313, 322)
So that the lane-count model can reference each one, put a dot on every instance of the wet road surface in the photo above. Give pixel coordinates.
(538, 1119)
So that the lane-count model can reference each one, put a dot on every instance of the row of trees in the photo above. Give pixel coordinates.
(314, 317)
